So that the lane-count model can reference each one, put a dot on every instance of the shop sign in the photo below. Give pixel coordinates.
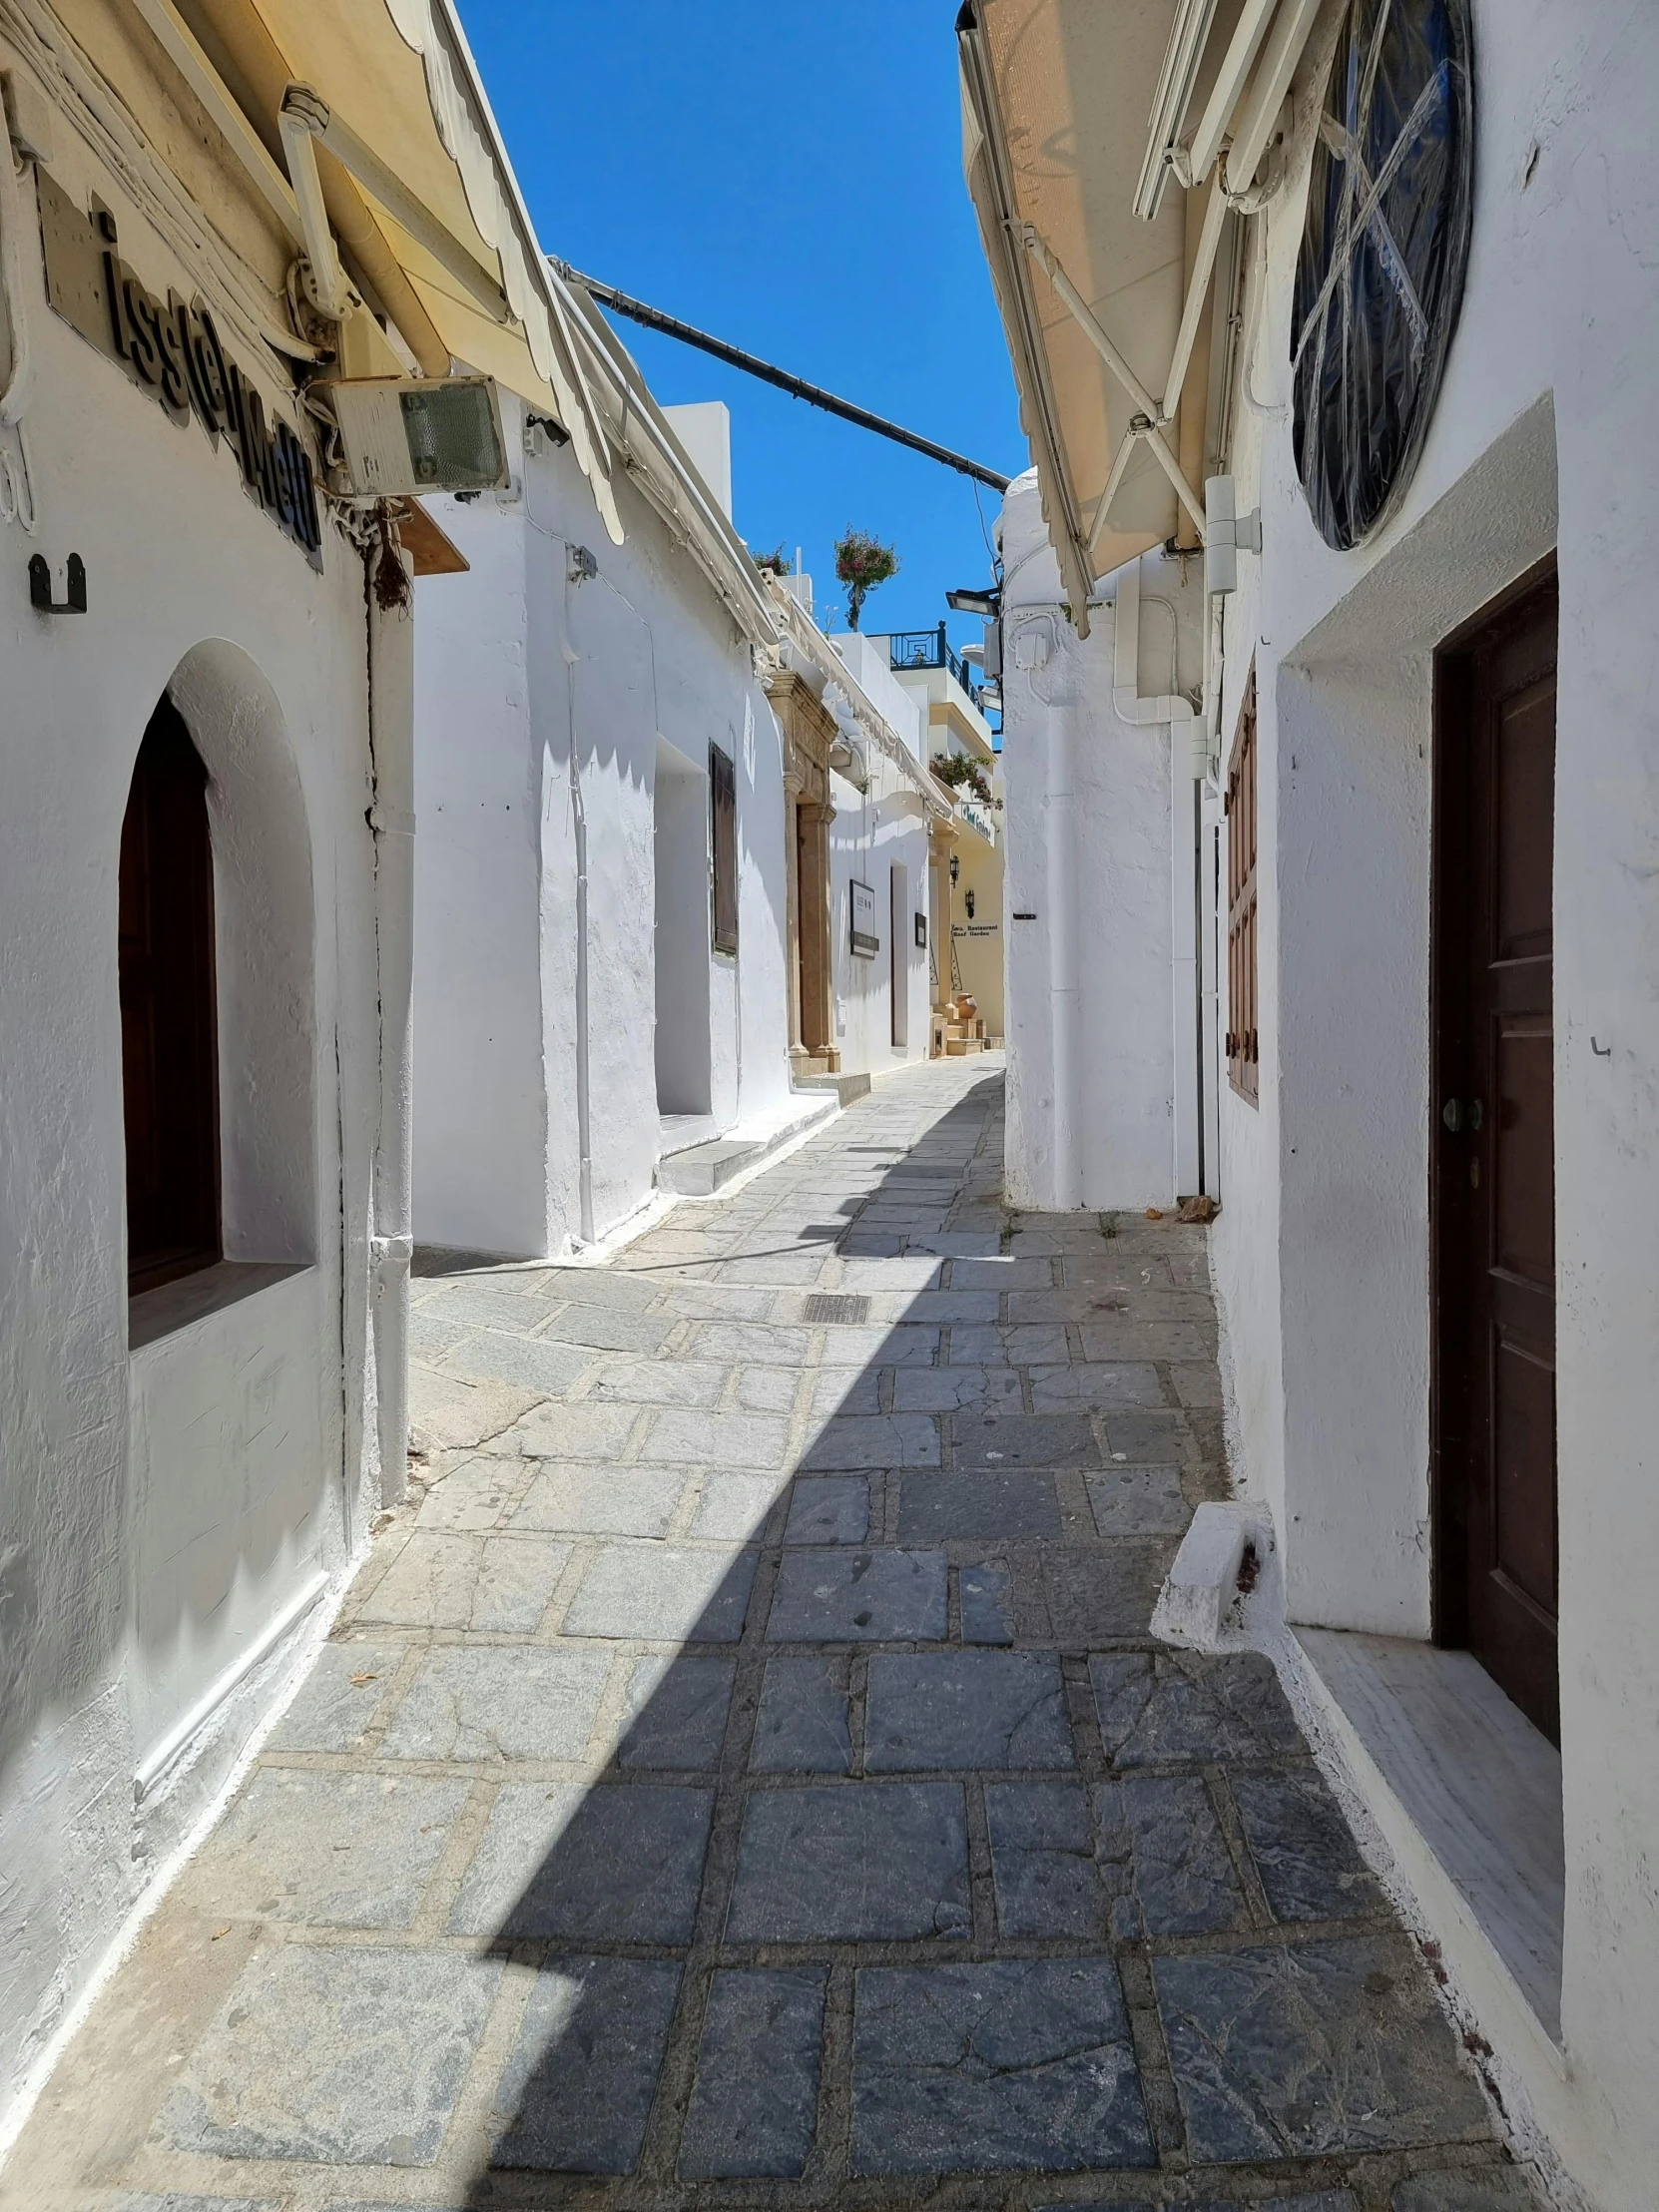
(865, 944)
(171, 348)
(974, 929)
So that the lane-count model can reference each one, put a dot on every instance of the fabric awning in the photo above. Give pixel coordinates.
(1056, 95)
(400, 76)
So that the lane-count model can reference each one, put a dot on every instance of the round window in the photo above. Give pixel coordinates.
(1383, 249)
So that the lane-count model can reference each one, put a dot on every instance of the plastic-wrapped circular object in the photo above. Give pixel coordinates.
(1379, 277)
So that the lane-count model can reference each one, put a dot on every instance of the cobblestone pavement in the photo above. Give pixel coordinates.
(742, 1774)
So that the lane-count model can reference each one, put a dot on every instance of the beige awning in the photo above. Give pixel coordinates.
(397, 73)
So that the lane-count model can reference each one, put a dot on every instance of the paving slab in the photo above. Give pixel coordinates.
(942, 1508)
(335, 2055)
(979, 1709)
(1160, 1709)
(339, 1698)
(1013, 2065)
(498, 1701)
(676, 1712)
(577, 2091)
(1304, 1849)
(1105, 1591)
(828, 1509)
(614, 1863)
(1297, 2050)
(586, 1501)
(844, 1596)
(852, 1862)
(803, 1724)
(1047, 1878)
(327, 1849)
(987, 1600)
(753, 2107)
(879, 1440)
(1163, 1858)
(1005, 1442)
(444, 1579)
(1138, 1501)
(664, 1593)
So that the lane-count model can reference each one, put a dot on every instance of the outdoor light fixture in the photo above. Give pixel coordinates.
(955, 869)
(985, 602)
(968, 901)
(1226, 532)
(403, 435)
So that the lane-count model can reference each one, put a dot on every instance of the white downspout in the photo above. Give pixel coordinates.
(1064, 993)
(579, 563)
(391, 819)
(1189, 755)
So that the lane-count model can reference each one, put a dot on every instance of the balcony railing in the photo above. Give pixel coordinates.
(932, 648)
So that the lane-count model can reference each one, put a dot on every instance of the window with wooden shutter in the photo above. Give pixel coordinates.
(723, 799)
(169, 1024)
(1243, 1041)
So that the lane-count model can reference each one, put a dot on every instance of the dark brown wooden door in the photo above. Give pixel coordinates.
(1495, 1140)
(168, 1042)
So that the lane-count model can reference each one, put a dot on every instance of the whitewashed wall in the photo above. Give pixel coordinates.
(872, 832)
(1106, 1138)
(160, 1555)
(1544, 434)
(654, 670)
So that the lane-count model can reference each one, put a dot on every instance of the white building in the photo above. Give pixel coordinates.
(1427, 701)
(600, 879)
(205, 736)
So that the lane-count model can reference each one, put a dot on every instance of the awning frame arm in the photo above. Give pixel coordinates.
(1153, 415)
(176, 40)
(311, 115)
(299, 127)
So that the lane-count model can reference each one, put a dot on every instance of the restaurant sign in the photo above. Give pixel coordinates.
(170, 349)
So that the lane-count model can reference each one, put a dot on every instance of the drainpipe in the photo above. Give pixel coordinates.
(580, 564)
(1064, 993)
(391, 819)
(1189, 759)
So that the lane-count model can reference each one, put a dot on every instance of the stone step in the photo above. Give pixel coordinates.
(846, 1087)
(699, 1170)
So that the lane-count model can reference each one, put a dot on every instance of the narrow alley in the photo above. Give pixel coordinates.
(741, 1769)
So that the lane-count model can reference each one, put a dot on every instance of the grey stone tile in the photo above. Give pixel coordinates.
(677, 1712)
(577, 2091)
(602, 1501)
(939, 1508)
(1016, 2066)
(665, 1593)
(751, 1344)
(918, 1271)
(341, 2057)
(493, 1356)
(724, 1440)
(846, 1390)
(766, 1390)
(958, 1244)
(803, 1725)
(1105, 1382)
(776, 1268)
(612, 1864)
(1304, 1849)
(828, 1509)
(949, 1389)
(1297, 2051)
(448, 1412)
(584, 1432)
(1043, 1860)
(595, 1286)
(1468, 2189)
(1018, 1348)
(879, 1440)
(1145, 1436)
(754, 2109)
(683, 1300)
(1163, 1858)
(1005, 1442)
(475, 1496)
(499, 1701)
(326, 1850)
(875, 1346)
(1138, 1501)
(1107, 1590)
(984, 1709)
(987, 1596)
(335, 1703)
(656, 1383)
(1159, 1710)
(954, 1309)
(735, 1506)
(852, 1862)
(1005, 1272)
(1197, 1382)
(504, 1301)
(172, 2200)
(603, 1329)
(442, 1579)
(835, 1597)
(1120, 1337)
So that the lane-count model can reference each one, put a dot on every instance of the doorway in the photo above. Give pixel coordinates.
(680, 822)
(1492, 1197)
(898, 910)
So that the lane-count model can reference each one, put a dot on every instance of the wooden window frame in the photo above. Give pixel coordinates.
(723, 850)
(1243, 1054)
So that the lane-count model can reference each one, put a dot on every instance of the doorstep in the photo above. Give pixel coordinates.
(846, 1087)
(704, 1164)
(1467, 1795)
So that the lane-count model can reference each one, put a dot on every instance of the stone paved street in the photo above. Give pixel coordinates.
(742, 1774)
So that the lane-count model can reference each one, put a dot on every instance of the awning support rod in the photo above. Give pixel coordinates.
(653, 318)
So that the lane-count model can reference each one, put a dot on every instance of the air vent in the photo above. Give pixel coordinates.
(831, 1305)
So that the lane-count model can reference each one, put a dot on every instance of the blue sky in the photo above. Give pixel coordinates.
(788, 178)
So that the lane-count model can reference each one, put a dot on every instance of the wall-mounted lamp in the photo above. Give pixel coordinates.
(1225, 531)
(968, 901)
(955, 869)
